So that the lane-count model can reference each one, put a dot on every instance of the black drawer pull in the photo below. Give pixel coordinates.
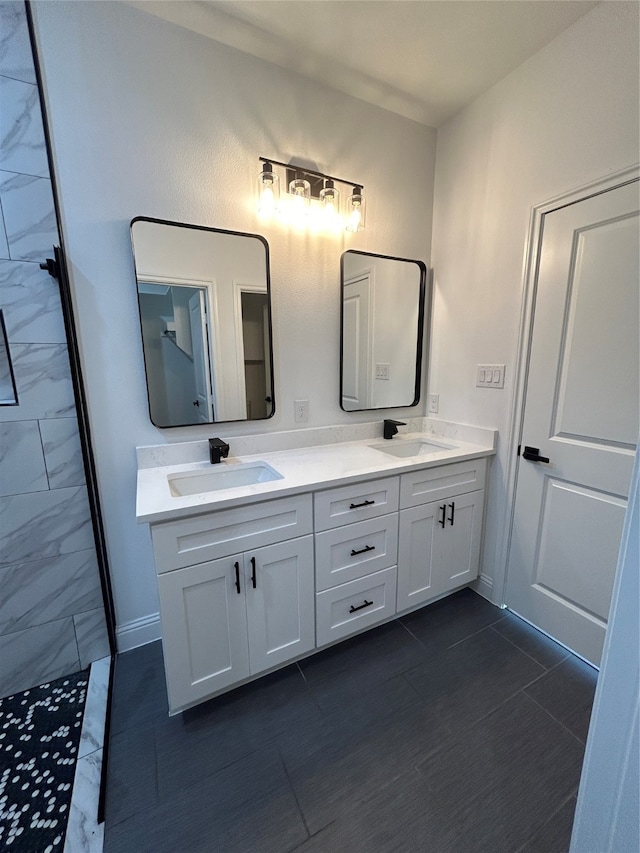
(364, 503)
(452, 507)
(353, 609)
(443, 516)
(363, 550)
(237, 568)
(253, 572)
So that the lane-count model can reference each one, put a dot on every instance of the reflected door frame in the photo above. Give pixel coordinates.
(497, 590)
(209, 286)
(240, 287)
(364, 343)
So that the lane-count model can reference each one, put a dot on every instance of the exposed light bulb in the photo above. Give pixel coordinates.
(330, 200)
(268, 191)
(355, 220)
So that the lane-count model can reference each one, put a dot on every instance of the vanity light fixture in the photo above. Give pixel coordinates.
(310, 192)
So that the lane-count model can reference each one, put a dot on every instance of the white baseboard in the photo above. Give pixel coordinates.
(139, 632)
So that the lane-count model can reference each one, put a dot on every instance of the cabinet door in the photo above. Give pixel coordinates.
(460, 551)
(419, 547)
(432, 558)
(204, 630)
(280, 608)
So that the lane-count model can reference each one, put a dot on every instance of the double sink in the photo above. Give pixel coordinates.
(232, 475)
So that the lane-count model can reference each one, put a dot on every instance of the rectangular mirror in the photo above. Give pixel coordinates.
(205, 316)
(382, 322)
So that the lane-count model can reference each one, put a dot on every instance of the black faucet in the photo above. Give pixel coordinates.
(391, 428)
(218, 449)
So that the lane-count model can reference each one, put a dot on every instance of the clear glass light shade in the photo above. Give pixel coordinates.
(268, 191)
(330, 200)
(356, 210)
(300, 190)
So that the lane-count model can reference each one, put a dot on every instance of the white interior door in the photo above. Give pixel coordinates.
(356, 337)
(581, 414)
(200, 350)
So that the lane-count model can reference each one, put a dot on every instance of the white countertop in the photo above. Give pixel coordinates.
(303, 469)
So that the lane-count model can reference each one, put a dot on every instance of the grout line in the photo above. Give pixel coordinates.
(556, 720)
(547, 822)
(474, 634)
(295, 794)
(524, 652)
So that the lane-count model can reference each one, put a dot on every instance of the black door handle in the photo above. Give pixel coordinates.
(532, 454)
(253, 572)
(452, 507)
(237, 568)
(443, 515)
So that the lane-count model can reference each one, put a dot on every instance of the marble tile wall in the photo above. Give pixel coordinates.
(51, 613)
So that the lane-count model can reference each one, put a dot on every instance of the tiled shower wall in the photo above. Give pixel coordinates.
(51, 613)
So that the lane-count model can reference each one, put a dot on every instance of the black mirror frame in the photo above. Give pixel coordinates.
(420, 330)
(269, 312)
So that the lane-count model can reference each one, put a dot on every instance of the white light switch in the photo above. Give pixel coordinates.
(382, 371)
(490, 376)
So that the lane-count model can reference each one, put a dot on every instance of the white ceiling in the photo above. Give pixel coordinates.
(422, 59)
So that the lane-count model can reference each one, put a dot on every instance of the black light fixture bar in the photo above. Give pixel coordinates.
(292, 167)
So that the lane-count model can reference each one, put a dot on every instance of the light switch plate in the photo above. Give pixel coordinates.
(490, 376)
(382, 371)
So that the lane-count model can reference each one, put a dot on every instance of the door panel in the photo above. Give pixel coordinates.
(590, 356)
(204, 630)
(280, 609)
(419, 548)
(581, 411)
(462, 540)
(567, 565)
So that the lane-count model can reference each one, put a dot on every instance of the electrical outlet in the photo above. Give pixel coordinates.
(301, 411)
(433, 402)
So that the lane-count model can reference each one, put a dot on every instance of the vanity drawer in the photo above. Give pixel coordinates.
(443, 481)
(349, 552)
(358, 502)
(188, 541)
(353, 606)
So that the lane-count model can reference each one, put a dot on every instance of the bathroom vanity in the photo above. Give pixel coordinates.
(339, 538)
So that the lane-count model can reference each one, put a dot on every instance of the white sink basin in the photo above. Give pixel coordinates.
(404, 448)
(222, 476)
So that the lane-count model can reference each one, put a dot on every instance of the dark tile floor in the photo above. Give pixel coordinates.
(457, 729)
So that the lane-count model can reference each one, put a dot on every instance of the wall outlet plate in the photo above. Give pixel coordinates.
(433, 403)
(300, 411)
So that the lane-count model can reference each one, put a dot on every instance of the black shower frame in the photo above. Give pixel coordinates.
(57, 268)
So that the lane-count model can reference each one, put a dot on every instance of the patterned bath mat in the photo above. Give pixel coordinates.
(39, 736)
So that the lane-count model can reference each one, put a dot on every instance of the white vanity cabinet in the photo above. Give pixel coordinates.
(440, 530)
(229, 618)
(251, 587)
(356, 556)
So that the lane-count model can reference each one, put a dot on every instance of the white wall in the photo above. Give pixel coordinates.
(148, 119)
(567, 116)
